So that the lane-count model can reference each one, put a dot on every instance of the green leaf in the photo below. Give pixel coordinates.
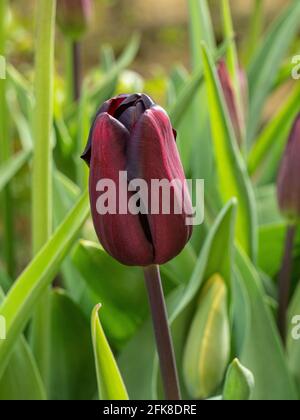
(293, 342)
(232, 175)
(255, 30)
(239, 384)
(261, 349)
(29, 287)
(201, 29)
(5, 281)
(139, 355)
(271, 246)
(271, 142)
(267, 205)
(110, 382)
(10, 168)
(21, 379)
(72, 373)
(190, 89)
(232, 55)
(121, 291)
(267, 60)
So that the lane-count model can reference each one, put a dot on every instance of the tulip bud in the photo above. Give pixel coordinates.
(130, 133)
(288, 186)
(74, 16)
(236, 114)
(239, 383)
(207, 349)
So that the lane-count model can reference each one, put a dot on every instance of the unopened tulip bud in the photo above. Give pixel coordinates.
(74, 16)
(288, 185)
(207, 349)
(236, 114)
(132, 135)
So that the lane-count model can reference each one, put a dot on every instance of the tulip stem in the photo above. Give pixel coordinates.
(285, 281)
(5, 154)
(42, 204)
(162, 333)
(77, 70)
(73, 70)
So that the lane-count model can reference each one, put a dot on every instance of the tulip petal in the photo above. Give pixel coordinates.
(152, 155)
(121, 235)
(109, 107)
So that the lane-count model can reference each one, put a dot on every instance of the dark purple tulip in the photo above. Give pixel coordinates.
(131, 133)
(74, 16)
(288, 185)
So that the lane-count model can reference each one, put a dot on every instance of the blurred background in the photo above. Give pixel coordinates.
(163, 26)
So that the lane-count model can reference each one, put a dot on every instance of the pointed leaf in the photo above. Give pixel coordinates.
(110, 382)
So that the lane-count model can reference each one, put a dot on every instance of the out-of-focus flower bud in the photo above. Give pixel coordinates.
(234, 108)
(239, 383)
(207, 349)
(131, 133)
(288, 185)
(74, 16)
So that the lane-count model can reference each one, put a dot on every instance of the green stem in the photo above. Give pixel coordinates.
(72, 70)
(285, 281)
(42, 165)
(255, 31)
(5, 154)
(162, 333)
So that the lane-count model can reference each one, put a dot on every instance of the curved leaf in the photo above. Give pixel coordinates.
(29, 287)
(261, 350)
(110, 382)
(267, 60)
(232, 175)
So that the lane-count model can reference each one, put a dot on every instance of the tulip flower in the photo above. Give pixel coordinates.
(236, 114)
(288, 193)
(133, 134)
(73, 17)
(288, 186)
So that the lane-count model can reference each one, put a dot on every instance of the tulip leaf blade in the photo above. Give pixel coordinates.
(265, 64)
(201, 29)
(239, 383)
(29, 287)
(72, 374)
(260, 349)
(110, 382)
(270, 143)
(232, 175)
(10, 168)
(21, 379)
(121, 292)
